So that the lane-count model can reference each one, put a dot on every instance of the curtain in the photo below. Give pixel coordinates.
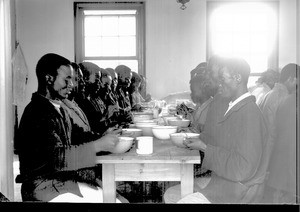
(6, 107)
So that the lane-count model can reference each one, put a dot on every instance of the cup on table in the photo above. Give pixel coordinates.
(144, 145)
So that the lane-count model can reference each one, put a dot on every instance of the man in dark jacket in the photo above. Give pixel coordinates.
(124, 76)
(49, 162)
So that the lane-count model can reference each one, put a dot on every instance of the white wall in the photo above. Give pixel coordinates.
(298, 31)
(176, 43)
(175, 38)
(287, 32)
(44, 26)
(6, 107)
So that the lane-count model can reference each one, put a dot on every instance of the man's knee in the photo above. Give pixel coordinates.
(172, 194)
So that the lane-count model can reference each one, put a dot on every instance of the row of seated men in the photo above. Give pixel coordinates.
(232, 144)
(107, 97)
(76, 113)
(274, 180)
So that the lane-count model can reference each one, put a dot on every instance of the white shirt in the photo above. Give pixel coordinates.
(56, 104)
(231, 104)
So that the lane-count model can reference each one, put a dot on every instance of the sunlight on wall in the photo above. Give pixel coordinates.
(247, 30)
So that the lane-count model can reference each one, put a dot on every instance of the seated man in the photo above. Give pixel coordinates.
(235, 156)
(142, 89)
(136, 98)
(124, 80)
(264, 84)
(113, 95)
(76, 114)
(202, 92)
(92, 105)
(109, 99)
(49, 162)
(282, 181)
(202, 67)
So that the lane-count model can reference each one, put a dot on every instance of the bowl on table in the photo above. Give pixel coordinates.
(132, 132)
(178, 138)
(179, 122)
(142, 124)
(146, 121)
(163, 132)
(167, 118)
(123, 145)
(146, 128)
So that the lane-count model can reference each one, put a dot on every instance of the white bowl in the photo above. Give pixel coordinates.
(146, 121)
(145, 112)
(178, 138)
(143, 124)
(146, 128)
(179, 122)
(163, 132)
(132, 132)
(167, 118)
(123, 145)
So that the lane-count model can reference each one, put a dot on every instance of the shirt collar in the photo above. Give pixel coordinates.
(231, 104)
(56, 104)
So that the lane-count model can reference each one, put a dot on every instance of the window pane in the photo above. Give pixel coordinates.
(92, 46)
(260, 43)
(251, 81)
(127, 46)
(241, 22)
(133, 64)
(92, 26)
(110, 26)
(222, 43)
(246, 30)
(241, 44)
(110, 46)
(259, 22)
(127, 26)
(259, 63)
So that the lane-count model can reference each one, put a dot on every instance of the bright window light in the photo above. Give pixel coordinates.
(246, 30)
(108, 34)
(111, 34)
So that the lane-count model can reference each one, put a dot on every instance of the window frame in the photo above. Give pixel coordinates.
(79, 7)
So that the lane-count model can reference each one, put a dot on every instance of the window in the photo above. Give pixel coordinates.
(110, 34)
(245, 29)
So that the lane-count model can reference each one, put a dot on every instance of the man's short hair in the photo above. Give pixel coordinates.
(289, 70)
(201, 67)
(205, 82)
(88, 68)
(136, 78)
(111, 71)
(48, 65)
(122, 70)
(105, 73)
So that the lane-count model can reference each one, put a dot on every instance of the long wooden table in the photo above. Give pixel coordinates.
(166, 163)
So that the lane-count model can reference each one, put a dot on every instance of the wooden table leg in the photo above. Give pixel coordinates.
(187, 179)
(108, 183)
